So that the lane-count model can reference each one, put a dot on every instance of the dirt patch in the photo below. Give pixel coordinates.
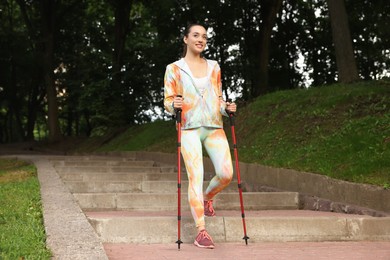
(65, 146)
(13, 176)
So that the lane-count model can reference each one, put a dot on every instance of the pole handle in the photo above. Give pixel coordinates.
(231, 114)
(178, 113)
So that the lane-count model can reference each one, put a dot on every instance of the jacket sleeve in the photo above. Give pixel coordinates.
(170, 89)
(219, 85)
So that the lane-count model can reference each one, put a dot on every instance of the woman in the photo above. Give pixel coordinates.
(193, 84)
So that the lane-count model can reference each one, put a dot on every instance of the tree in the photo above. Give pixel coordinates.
(115, 102)
(269, 10)
(345, 59)
(371, 36)
(92, 65)
(256, 20)
(49, 14)
(43, 31)
(20, 84)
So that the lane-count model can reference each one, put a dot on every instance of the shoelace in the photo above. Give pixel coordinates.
(204, 234)
(209, 206)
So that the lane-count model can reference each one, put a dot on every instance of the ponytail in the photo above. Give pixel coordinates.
(184, 50)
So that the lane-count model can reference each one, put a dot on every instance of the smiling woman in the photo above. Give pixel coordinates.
(195, 39)
(192, 85)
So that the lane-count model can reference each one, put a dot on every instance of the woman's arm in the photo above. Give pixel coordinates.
(170, 89)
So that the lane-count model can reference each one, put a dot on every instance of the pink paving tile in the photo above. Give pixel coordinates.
(266, 251)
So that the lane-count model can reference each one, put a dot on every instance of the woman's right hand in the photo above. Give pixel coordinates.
(177, 102)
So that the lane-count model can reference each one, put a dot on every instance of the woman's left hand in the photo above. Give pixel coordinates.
(231, 107)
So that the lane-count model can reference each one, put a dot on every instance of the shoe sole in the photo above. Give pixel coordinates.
(207, 247)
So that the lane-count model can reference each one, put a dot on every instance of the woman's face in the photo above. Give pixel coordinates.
(196, 40)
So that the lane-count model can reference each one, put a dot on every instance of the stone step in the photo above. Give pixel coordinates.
(132, 186)
(122, 176)
(102, 163)
(227, 226)
(114, 169)
(168, 201)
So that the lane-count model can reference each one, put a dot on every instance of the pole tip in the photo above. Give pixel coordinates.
(178, 242)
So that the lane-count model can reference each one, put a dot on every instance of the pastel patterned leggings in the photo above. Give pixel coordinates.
(215, 142)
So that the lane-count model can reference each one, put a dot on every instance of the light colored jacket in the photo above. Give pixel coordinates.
(197, 110)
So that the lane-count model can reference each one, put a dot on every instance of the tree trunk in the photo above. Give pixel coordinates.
(269, 10)
(48, 9)
(345, 59)
(15, 104)
(34, 100)
(31, 116)
(122, 22)
(115, 102)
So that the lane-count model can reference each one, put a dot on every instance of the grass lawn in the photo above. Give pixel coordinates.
(342, 131)
(22, 233)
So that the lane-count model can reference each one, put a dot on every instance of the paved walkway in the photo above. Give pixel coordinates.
(70, 236)
(263, 251)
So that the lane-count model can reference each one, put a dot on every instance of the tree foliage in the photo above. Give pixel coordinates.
(81, 67)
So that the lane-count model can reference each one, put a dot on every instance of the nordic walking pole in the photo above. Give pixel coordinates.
(231, 116)
(178, 121)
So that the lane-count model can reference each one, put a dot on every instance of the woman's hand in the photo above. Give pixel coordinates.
(231, 107)
(178, 102)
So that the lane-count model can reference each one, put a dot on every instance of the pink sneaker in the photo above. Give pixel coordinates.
(208, 208)
(204, 240)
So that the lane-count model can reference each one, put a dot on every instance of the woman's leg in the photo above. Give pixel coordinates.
(191, 150)
(217, 147)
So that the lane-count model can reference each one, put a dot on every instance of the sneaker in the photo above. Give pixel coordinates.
(204, 240)
(208, 208)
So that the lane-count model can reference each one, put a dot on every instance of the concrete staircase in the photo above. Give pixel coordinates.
(130, 201)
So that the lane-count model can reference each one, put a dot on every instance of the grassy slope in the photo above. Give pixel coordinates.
(340, 131)
(22, 234)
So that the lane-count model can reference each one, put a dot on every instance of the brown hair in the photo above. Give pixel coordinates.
(185, 34)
